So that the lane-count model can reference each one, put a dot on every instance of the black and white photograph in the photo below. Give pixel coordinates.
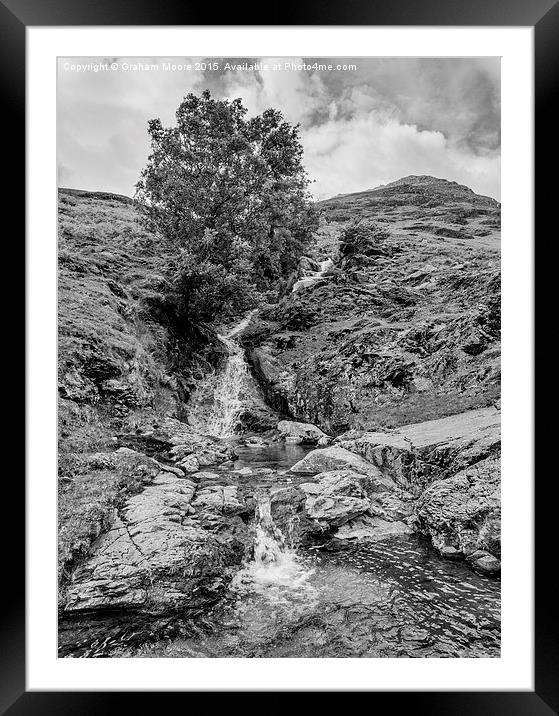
(279, 357)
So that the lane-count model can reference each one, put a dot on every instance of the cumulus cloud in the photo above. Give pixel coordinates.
(387, 119)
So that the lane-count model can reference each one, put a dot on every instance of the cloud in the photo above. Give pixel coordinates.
(389, 118)
(102, 138)
(347, 155)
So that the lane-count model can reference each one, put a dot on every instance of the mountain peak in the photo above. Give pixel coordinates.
(425, 179)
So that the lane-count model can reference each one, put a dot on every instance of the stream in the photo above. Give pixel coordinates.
(390, 598)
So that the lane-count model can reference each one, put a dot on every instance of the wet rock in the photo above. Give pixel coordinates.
(287, 505)
(243, 471)
(190, 464)
(203, 475)
(448, 552)
(253, 441)
(484, 562)
(206, 450)
(371, 529)
(207, 457)
(225, 500)
(463, 512)
(156, 558)
(258, 417)
(341, 496)
(301, 433)
(276, 382)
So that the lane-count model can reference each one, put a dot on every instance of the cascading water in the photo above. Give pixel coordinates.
(313, 277)
(277, 575)
(232, 383)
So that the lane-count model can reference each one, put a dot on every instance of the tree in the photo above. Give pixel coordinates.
(231, 194)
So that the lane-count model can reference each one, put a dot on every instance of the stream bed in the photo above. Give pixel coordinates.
(323, 597)
(390, 598)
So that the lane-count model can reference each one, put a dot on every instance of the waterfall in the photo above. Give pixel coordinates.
(231, 384)
(277, 574)
(313, 277)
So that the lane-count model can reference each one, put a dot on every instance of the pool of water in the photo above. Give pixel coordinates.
(386, 599)
(278, 456)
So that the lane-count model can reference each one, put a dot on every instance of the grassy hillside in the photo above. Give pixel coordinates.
(403, 328)
(124, 362)
(416, 205)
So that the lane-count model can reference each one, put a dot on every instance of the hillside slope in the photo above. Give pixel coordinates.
(404, 327)
(124, 362)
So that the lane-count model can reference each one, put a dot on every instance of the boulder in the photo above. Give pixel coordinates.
(243, 471)
(484, 562)
(254, 441)
(332, 458)
(301, 433)
(205, 475)
(448, 552)
(190, 464)
(340, 495)
(463, 512)
(286, 509)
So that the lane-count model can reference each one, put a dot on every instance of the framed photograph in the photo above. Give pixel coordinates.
(280, 328)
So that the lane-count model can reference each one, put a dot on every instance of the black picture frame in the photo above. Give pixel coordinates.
(543, 16)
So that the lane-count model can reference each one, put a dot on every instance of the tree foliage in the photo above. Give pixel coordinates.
(230, 192)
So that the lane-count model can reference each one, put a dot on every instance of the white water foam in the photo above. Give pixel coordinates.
(276, 574)
(228, 394)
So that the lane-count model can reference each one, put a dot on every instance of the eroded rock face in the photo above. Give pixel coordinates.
(439, 477)
(463, 513)
(300, 433)
(157, 556)
(416, 455)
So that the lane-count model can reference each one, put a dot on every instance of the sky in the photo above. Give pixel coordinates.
(383, 119)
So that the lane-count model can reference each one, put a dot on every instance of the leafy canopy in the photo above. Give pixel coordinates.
(230, 192)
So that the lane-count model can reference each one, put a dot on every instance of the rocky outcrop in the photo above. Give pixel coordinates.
(159, 555)
(373, 529)
(416, 455)
(353, 505)
(301, 433)
(440, 477)
(462, 515)
(170, 546)
(339, 496)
